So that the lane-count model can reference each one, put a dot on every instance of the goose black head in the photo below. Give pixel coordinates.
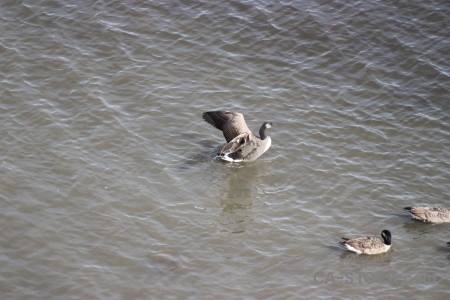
(386, 235)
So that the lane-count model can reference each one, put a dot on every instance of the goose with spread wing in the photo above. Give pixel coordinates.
(242, 145)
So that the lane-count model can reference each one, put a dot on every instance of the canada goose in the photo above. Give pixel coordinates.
(242, 144)
(369, 245)
(430, 214)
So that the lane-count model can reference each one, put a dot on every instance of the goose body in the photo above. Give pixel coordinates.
(430, 214)
(242, 144)
(369, 245)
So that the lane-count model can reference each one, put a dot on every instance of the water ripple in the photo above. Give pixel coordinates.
(109, 184)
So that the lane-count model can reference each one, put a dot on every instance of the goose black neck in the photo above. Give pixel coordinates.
(262, 132)
(387, 237)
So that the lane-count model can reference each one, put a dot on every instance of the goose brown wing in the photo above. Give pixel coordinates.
(232, 124)
(365, 243)
(437, 211)
(432, 213)
(237, 143)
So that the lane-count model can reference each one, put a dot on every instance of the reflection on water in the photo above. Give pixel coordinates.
(241, 194)
(164, 263)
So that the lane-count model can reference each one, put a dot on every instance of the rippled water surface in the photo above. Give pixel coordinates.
(109, 187)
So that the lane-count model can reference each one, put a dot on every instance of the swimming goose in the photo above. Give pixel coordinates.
(430, 214)
(369, 245)
(242, 144)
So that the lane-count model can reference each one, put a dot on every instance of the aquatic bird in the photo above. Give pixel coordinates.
(242, 145)
(430, 214)
(369, 245)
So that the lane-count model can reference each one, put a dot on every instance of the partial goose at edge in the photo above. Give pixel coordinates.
(429, 214)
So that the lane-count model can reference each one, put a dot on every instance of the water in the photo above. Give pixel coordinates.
(109, 189)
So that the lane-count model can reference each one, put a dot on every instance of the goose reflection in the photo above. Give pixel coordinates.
(241, 194)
